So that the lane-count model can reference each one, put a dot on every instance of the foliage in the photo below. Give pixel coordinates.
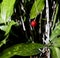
(12, 18)
(6, 10)
(37, 8)
(22, 49)
(5, 18)
(55, 52)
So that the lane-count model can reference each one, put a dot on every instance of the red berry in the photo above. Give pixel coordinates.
(33, 23)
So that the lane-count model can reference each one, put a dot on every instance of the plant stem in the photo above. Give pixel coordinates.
(40, 23)
(24, 27)
(55, 15)
(31, 31)
(47, 28)
(47, 25)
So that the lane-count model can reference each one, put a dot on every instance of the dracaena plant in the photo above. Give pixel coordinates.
(6, 11)
(30, 48)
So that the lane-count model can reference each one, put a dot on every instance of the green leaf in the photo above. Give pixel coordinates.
(6, 10)
(56, 42)
(0, 7)
(55, 32)
(22, 50)
(37, 8)
(7, 27)
(55, 52)
(4, 41)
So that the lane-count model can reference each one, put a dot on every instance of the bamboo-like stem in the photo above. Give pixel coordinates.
(47, 28)
(47, 25)
(48, 53)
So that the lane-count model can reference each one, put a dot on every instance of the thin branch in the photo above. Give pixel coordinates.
(24, 27)
(55, 15)
(40, 23)
(23, 23)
